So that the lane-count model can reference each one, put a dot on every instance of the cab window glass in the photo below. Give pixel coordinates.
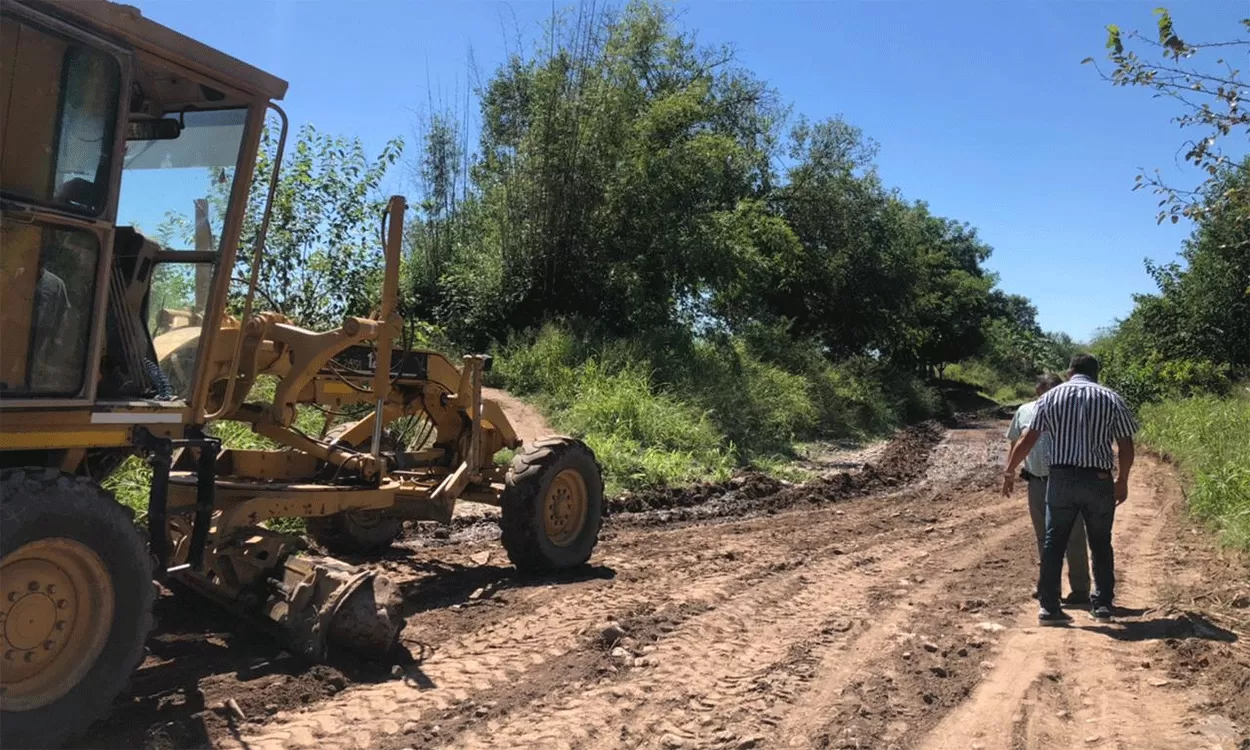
(60, 102)
(48, 277)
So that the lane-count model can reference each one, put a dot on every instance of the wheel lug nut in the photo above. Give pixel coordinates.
(47, 645)
(61, 604)
(51, 588)
(32, 586)
(60, 624)
(30, 656)
(10, 654)
(12, 596)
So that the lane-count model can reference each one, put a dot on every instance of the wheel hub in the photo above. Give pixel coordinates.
(56, 606)
(565, 508)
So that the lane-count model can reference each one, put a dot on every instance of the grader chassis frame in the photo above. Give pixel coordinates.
(75, 576)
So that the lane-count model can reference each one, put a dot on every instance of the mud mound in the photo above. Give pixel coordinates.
(904, 460)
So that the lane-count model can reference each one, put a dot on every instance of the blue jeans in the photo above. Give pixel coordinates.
(1089, 494)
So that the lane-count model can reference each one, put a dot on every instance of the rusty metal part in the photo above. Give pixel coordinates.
(318, 604)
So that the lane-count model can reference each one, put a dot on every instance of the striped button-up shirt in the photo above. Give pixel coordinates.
(1082, 419)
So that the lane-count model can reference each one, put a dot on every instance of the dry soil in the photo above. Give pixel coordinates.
(886, 606)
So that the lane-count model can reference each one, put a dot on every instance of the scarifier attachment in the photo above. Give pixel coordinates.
(319, 604)
(325, 604)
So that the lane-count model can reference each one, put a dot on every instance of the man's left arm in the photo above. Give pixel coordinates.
(1123, 430)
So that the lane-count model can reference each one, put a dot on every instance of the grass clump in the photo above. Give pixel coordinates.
(1210, 438)
(672, 409)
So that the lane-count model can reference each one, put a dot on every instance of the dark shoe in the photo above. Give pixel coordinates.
(1101, 612)
(1077, 599)
(1058, 617)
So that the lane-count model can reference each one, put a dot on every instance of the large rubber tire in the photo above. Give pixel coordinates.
(45, 504)
(523, 506)
(358, 532)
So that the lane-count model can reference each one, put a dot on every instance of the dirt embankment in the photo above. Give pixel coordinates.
(886, 607)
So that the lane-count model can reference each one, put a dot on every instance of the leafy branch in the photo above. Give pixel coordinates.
(1212, 96)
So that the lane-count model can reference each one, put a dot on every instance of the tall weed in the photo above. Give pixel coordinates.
(1210, 438)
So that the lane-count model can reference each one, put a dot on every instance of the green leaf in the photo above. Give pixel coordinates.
(1113, 39)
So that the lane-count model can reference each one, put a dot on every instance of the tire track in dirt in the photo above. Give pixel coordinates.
(549, 633)
(728, 665)
(551, 626)
(849, 686)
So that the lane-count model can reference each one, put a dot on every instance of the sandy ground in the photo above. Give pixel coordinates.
(887, 606)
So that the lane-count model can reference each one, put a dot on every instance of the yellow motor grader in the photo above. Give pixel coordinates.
(119, 340)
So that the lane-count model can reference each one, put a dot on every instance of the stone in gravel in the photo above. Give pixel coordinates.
(441, 532)
(939, 671)
(410, 727)
(962, 652)
(906, 654)
(672, 741)
(930, 646)
(477, 594)
(840, 625)
(991, 627)
(987, 665)
(611, 632)
(1092, 739)
(271, 708)
(619, 653)
(481, 558)
(481, 711)
(1062, 714)
(1159, 682)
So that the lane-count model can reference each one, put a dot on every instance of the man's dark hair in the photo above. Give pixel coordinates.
(1047, 381)
(1085, 364)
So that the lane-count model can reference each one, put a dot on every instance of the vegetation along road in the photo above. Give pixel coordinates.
(884, 605)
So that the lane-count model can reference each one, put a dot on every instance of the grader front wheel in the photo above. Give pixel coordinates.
(552, 506)
(76, 597)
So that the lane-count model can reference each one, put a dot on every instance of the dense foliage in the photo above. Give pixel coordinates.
(628, 177)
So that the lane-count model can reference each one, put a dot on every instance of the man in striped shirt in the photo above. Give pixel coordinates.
(1082, 419)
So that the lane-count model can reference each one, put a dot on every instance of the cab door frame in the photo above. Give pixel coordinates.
(102, 226)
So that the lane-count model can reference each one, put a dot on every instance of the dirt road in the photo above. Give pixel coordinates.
(885, 607)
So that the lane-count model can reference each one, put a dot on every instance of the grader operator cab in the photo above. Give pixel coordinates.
(120, 336)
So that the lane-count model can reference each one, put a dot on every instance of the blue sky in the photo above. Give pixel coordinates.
(980, 108)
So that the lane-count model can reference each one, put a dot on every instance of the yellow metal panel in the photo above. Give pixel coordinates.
(66, 439)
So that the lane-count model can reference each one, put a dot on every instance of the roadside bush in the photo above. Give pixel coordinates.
(670, 409)
(1142, 381)
(1210, 438)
